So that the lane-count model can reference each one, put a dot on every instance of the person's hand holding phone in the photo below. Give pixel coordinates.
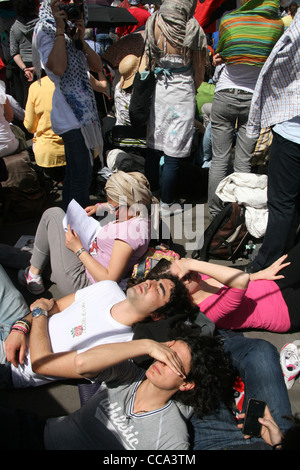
(269, 430)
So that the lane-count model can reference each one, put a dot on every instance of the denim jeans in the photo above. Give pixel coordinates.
(207, 147)
(228, 111)
(257, 362)
(152, 168)
(76, 184)
(12, 308)
(283, 197)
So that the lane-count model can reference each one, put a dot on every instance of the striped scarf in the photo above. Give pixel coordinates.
(247, 35)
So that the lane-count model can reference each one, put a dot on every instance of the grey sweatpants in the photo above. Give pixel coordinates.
(67, 271)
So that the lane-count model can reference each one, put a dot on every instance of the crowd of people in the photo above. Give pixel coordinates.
(163, 349)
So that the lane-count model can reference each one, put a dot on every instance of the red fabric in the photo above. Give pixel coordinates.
(140, 14)
(208, 11)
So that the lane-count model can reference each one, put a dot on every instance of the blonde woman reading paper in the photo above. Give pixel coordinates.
(111, 255)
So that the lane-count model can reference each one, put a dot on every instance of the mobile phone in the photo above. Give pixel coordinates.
(255, 409)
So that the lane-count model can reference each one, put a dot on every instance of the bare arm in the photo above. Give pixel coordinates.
(91, 362)
(16, 342)
(57, 59)
(93, 59)
(230, 277)
(120, 256)
(199, 58)
(43, 360)
(99, 84)
(8, 111)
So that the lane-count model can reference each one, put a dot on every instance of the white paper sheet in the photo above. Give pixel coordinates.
(86, 227)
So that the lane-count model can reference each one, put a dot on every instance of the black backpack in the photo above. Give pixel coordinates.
(226, 236)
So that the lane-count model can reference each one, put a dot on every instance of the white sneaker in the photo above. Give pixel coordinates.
(290, 362)
(34, 285)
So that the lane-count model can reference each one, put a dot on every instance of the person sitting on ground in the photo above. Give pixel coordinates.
(265, 300)
(136, 409)
(35, 351)
(119, 244)
(8, 142)
(48, 147)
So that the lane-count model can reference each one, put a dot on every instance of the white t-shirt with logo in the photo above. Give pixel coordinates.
(86, 323)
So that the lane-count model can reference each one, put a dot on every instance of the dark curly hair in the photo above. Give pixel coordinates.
(179, 299)
(211, 371)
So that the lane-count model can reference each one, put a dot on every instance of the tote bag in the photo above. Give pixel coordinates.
(141, 97)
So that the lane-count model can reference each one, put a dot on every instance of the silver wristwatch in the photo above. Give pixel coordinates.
(38, 311)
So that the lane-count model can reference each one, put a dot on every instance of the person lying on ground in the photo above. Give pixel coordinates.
(33, 352)
(233, 299)
(136, 409)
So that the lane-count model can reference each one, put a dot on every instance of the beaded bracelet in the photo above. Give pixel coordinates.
(19, 328)
(22, 325)
(23, 320)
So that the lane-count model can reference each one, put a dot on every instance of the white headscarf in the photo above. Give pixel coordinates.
(134, 190)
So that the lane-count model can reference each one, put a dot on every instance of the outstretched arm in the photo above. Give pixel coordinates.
(90, 363)
(119, 259)
(271, 273)
(228, 276)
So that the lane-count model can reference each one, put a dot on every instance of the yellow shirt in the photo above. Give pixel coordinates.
(48, 147)
(287, 19)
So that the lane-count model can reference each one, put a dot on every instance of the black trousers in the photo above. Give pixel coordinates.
(290, 286)
(283, 197)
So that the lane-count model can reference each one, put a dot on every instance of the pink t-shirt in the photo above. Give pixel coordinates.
(135, 232)
(260, 306)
